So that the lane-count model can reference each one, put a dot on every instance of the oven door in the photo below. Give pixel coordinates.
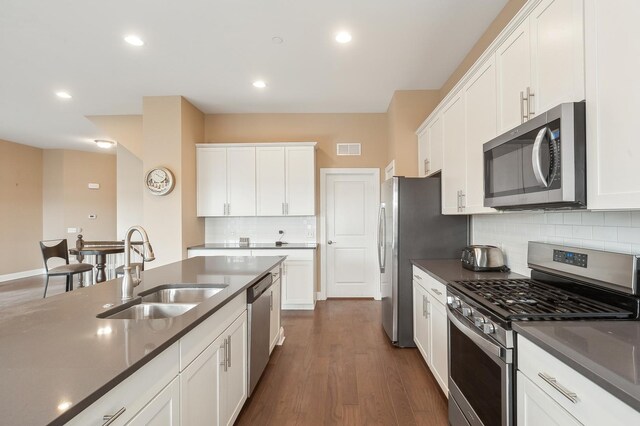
(480, 377)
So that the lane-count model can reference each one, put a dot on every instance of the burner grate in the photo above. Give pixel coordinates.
(526, 299)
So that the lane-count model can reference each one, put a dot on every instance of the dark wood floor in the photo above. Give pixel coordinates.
(337, 367)
(31, 288)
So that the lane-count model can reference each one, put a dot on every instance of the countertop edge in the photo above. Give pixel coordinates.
(415, 263)
(603, 382)
(103, 390)
(289, 246)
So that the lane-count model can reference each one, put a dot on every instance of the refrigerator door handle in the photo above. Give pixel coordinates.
(384, 238)
(380, 238)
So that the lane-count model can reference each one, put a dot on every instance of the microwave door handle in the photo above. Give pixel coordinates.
(535, 157)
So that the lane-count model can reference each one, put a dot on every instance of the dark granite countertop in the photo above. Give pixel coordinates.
(446, 270)
(52, 350)
(606, 352)
(219, 246)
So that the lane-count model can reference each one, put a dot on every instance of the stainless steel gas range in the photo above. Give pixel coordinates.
(566, 283)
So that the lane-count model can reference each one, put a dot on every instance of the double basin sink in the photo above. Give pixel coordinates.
(165, 301)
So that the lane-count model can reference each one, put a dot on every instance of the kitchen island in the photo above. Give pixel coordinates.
(58, 358)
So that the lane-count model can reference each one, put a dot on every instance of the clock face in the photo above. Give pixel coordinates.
(159, 181)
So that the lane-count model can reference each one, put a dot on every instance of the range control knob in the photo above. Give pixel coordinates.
(488, 328)
(467, 311)
(479, 321)
(453, 301)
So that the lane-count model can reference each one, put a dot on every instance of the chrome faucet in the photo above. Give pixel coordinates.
(129, 281)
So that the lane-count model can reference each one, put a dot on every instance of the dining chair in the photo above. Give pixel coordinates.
(61, 251)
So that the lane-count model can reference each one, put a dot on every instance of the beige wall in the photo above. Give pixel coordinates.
(124, 129)
(407, 109)
(67, 200)
(20, 207)
(129, 179)
(506, 14)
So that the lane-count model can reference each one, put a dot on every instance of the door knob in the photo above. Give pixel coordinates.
(329, 242)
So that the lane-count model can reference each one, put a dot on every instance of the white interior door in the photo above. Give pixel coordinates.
(351, 213)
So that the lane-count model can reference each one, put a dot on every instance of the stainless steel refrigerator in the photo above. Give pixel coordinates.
(411, 226)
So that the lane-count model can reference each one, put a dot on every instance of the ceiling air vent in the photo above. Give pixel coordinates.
(349, 149)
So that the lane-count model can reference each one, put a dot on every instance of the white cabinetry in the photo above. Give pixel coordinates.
(275, 305)
(613, 104)
(163, 410)
(430, 147)
(454, 173)
(430, 324)
(541, 64)
(571, 398)
(226, 181)
(271, 180)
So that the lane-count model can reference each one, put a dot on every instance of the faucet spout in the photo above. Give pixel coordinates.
(129, 281)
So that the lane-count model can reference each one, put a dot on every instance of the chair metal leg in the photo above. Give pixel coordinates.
(71, 282)
(68, 282)
(45, 287)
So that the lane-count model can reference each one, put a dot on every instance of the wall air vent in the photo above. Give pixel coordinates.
(349, 149)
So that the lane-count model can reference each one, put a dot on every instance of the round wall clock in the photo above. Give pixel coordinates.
(160, 181)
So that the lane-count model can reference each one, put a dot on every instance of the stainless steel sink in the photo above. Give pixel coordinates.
(143, 311)
(181, 294)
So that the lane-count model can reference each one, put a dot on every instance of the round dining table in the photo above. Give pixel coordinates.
(101, 257)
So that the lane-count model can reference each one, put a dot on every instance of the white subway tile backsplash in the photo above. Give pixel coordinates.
(593, 218)
(605, 233)
(617, 218)
(635, 219)
(572, 218)
(555, 218)
(260, 229)
(629, 235)
(583, 232)
(593, 245)
(565, 231)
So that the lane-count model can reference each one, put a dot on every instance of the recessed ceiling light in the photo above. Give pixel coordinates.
(63, 95)
(64, 405)
(277, 40)
(103, 143)
(259, 84)
(134, 40)
(343, 37)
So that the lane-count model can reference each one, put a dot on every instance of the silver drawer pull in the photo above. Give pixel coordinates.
(436, 291)
(417, 276)
(110, 418)
(571, 396)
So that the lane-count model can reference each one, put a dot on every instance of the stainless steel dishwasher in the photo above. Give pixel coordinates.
(259, 311)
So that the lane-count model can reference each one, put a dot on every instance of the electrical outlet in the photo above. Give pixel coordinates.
(310, 233)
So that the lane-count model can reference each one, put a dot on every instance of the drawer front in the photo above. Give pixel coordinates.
(583, 399)
(430, 284)
(420, 277)
(197, 340)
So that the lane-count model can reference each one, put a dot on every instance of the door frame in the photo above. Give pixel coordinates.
(324, 173)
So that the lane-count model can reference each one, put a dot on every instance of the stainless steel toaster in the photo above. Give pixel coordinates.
(482, 258)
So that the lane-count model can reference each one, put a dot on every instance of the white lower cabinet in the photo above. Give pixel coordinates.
(551, 392)
(163, 410)
(430, 325)
(274, 331)
(536, 408)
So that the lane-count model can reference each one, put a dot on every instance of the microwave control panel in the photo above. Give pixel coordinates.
(570, 258)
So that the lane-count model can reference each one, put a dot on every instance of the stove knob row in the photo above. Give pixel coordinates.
(488, 328)
(467, 311)
(479, 321)
(453, 301)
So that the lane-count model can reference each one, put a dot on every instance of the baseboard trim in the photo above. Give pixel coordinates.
(23, 274)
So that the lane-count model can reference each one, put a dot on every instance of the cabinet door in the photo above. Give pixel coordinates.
(423, 153)
(163, 410)
(613, 104)
(435, 145)
(557, 53)
(212, 181)
(235, 377)
(201, 384)
(270, 181)
(481, 118)
(298, 284)
(241, 181)
(274, 332)
(513, 64)
(301, 180)
(453, 167)
(535, 407)
(420, 329)
(439, 346)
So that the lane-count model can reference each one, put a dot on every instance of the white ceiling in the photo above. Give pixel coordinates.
(210, 51)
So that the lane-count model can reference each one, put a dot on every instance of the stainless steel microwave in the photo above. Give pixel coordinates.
(540, 164)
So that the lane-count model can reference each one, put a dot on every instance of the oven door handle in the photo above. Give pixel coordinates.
(491, 349)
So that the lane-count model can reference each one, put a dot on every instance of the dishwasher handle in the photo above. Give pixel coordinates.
(257, 289)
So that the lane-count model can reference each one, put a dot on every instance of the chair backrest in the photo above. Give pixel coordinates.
(57, 250)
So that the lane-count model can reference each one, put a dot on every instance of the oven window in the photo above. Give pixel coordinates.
(477, 376)
(509, 170)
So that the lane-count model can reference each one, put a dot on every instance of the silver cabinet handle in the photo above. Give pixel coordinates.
(463, 200)
(427, 307)
(436, 291)
(229, 352)
(271, 301)
(524, 115)
(424, 306)
(530, 96)
(229, 209)
(417, 276)
(110, 418)
(426, 166)
(571, 396)
(286, 209)
(224, 359)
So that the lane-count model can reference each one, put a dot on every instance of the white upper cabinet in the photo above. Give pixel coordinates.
(211, 167)
(430, 147)
(256, 179)
(300, 181)
(454, 174)
(513, 62)
(613, 104)
(270, 180)
(557, 54)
